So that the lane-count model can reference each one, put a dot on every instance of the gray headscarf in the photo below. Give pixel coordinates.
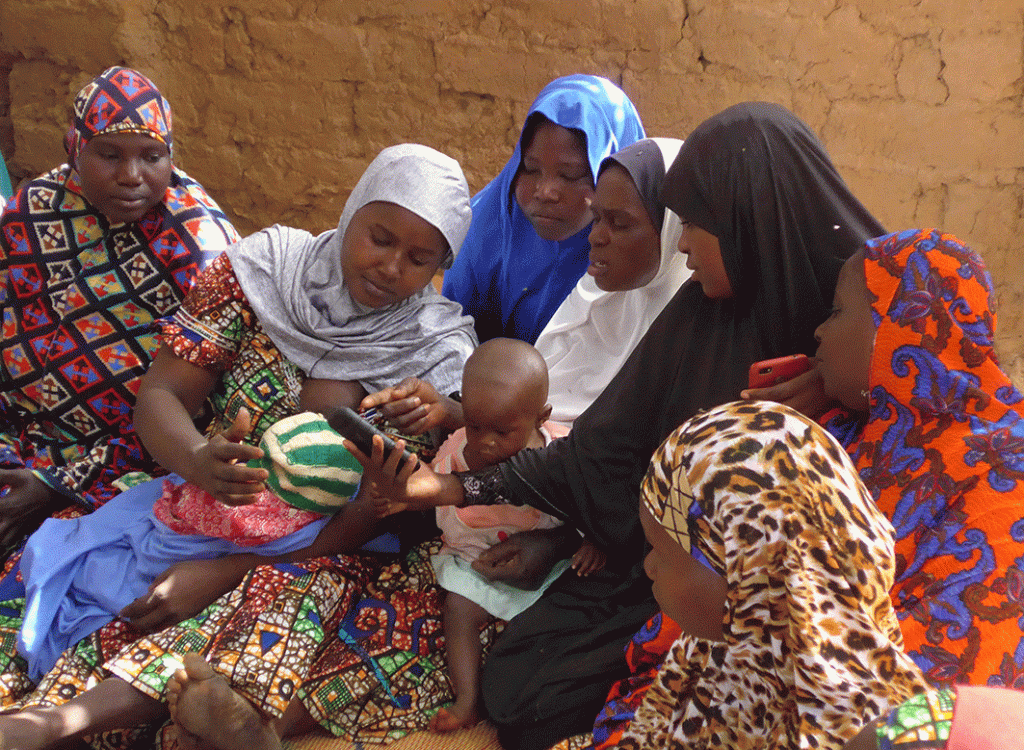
(295, 285)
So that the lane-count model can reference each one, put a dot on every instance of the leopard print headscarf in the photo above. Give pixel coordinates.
(812, 648)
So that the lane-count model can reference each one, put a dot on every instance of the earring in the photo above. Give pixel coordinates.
(865, 393)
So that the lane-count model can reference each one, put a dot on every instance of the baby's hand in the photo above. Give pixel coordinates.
(413, 406)
(588, 559)
(370, 497)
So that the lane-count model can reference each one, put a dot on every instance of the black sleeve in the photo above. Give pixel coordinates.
(484, 487)
(505, 484)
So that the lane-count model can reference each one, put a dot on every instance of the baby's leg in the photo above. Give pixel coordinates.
(462, 622)
(209, 713)
(112, 704)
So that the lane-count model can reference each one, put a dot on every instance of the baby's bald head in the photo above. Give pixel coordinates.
(504, 399)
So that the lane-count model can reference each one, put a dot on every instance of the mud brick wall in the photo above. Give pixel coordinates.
(280, 105)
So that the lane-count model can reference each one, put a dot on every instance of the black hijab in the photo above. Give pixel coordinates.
(756, 177)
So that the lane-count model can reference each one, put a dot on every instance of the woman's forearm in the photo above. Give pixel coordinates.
(166, 429)
(171, 393)
(349, 529)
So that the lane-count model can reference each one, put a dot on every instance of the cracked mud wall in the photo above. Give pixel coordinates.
(279, 106)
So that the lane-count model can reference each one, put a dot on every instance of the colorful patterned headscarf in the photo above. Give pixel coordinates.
(119, 100)
(943, 454)
(769, 500)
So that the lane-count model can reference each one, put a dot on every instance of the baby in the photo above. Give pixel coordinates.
(504, 401)
(79, 573)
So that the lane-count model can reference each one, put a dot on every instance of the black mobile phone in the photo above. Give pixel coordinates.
(347, 423)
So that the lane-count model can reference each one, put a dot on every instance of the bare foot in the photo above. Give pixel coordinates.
(208, 713)
(454, 717)
(30, 729)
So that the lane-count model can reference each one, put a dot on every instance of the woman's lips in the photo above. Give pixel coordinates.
(375, 290)
(547, 220)
(128, 201)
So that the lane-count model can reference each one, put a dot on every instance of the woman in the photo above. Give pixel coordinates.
(634, 271)
(757, 182)
(352, 309)
(90, 255)
(938, 440)
(527, 245)
(773, 559)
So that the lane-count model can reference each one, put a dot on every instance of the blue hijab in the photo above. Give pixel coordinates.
(506, 276)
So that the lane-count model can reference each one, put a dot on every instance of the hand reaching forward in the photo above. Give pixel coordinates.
(414, 407)
(219, 465)
(415, 487)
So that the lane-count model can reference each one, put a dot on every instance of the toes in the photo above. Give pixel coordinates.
(196, 667)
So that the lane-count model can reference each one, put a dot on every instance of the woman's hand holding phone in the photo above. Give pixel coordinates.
(793, 381)
(405, 482)
(387, 482)
(360, 431)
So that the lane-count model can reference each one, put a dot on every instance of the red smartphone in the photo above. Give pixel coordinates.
(771, 372)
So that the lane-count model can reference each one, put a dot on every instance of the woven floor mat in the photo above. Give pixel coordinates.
(480, 737)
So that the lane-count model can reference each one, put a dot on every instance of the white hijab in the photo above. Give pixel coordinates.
(295, 284)
(593, 332)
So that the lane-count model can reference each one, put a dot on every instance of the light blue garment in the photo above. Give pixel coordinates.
(498, 599)
(509, 279)
(79, 573)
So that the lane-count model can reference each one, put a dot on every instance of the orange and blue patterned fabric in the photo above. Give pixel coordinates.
(644, 655)
(942, 452)
(79, 296)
